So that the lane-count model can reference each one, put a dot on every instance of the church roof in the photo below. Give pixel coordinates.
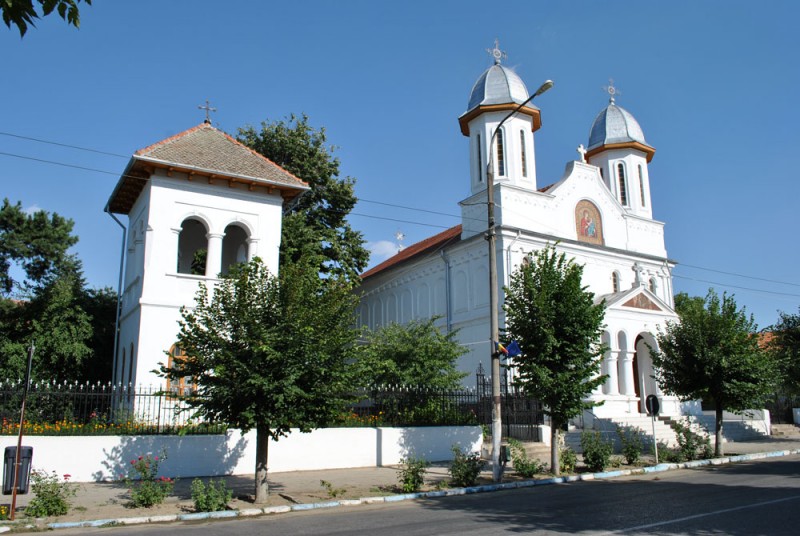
(497, 85)
(615, 124)
(432, 243)
(203, 150)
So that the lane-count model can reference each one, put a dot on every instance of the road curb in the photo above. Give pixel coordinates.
(271, 510)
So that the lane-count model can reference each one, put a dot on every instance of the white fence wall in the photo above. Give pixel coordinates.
(98, 458)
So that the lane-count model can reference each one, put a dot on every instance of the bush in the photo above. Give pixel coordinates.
(412, 474)
(523, 465)
(4, 512)
(146, 487)
(332, 491)
(567, 460)
(632, 444)
(691, 445)
(51, 495)
(596, 450)
(465, 468)
(212, 498)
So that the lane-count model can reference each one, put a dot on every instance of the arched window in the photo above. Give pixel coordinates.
(184, 385)
(480, 159)
(501, 158)
(615, 282)
(131, 360)
(623, 188)
(234, 247)
(192, 248)
(653, 285)
(523, 153)
(641, 185)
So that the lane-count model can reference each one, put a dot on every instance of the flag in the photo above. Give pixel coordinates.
(511, 350)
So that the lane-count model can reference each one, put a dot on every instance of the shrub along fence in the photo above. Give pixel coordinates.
(107, 409)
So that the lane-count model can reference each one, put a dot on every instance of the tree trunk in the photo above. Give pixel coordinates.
(718, 438)
(555, 465)
(262, 455)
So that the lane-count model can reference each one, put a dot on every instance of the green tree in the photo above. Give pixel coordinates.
(72, 326)
(558, 326)
(21, 13)
(54, 319)
(785, 348)
(316, 224)
(712, 353)
(268, 353)
(414, 354)
(101, 307)
(38, 242)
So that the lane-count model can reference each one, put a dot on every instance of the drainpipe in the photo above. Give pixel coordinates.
(119, 289)
(448, 312)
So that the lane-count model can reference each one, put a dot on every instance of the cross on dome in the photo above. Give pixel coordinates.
(496, 53)
(611, 90)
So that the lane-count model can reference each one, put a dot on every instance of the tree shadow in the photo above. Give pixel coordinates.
(644, 504)
(191, 455)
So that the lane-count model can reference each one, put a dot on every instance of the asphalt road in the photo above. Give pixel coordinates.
(742, 499)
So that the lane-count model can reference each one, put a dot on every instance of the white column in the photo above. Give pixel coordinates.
(612, 383)
(174, 242)
(214, 254)
(252, 248)
(627, 386)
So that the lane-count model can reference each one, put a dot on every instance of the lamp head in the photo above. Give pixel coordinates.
(544, 87)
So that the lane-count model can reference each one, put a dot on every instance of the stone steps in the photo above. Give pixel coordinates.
(785, 430)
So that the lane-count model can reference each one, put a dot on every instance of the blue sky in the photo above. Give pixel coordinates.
(713, 85)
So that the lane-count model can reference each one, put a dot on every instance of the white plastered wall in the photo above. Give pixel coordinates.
(153, 290)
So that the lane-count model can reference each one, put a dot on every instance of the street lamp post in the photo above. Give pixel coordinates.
(497, 425)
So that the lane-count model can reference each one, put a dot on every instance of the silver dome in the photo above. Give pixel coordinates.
(615, 125)
(497, 85)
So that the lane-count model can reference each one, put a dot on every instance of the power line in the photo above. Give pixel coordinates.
(48, 142)
(57, 163)
(776, 293)
(741, 275)
(398, 220)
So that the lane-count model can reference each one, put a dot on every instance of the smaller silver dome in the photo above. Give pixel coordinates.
(615, 125)
(497, 85)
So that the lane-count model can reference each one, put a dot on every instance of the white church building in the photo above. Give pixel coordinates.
(599, 213)
(197, 203)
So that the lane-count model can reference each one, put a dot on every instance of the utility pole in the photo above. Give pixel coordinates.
(491, 238)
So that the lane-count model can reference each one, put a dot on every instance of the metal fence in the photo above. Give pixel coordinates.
(98, 409)
(522, 415)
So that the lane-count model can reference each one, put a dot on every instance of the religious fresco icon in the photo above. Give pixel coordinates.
(588, 224)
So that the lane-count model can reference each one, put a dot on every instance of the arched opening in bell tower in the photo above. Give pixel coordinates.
(192, 247)
(234, 247)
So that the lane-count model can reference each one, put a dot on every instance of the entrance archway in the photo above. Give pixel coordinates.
(643, 370)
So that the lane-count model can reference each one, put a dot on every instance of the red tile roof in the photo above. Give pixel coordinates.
(204, 150)
(209, 148)
(543, 189)
(437, 241)
(765, 338)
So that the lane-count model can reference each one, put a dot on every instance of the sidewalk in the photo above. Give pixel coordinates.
(106, 501)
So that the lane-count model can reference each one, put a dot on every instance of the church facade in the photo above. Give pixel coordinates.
(599, 213)
(197, 203)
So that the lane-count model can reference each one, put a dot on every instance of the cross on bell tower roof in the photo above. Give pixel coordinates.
(208, 108)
